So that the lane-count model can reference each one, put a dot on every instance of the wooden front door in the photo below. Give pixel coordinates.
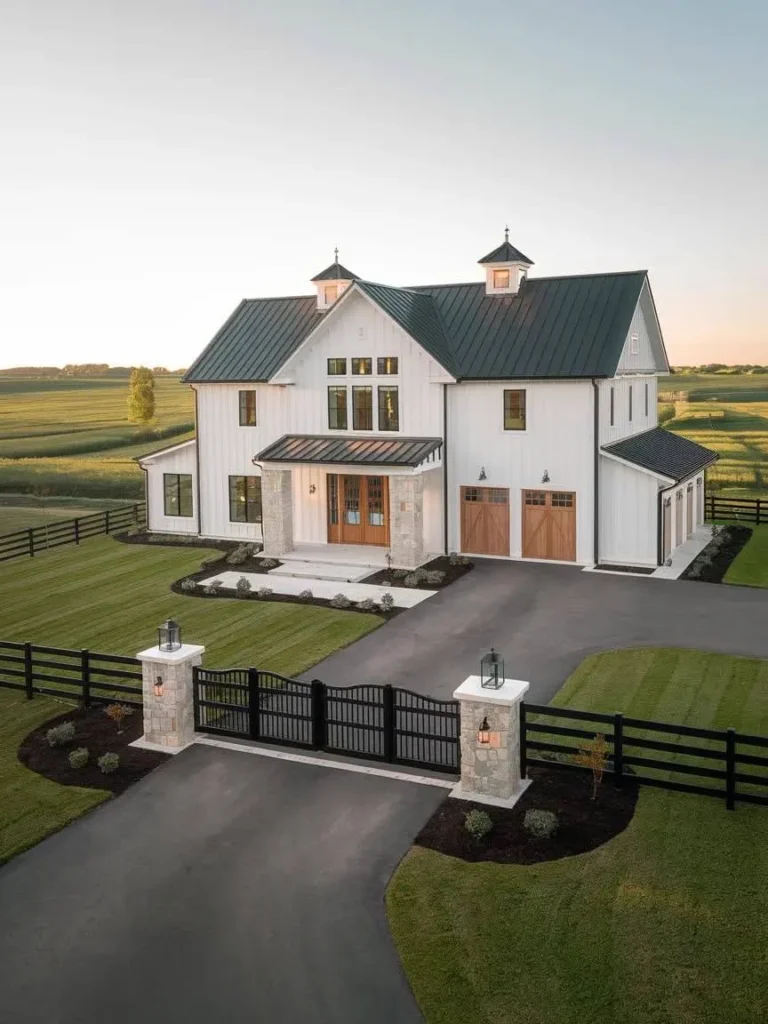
(485, 520)
(549, 525)
(358, 509)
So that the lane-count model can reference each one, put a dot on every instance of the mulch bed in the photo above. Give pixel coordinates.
(387, 577)
(584, 823)
(641, 570)
(97, 732)
(712, 563)
(167, 540)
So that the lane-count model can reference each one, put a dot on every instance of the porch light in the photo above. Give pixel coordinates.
(545, 477)
(483, 474)
(158, 686)
(492, 670)
(484, 733)
(312, 488)
(169, 636)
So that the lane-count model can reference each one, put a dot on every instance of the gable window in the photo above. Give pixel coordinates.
(337, 408)
(646, 398)
(337, 367)
(630, 403)
(613, 407)
(330, 293)
(245, 499)
(389, 409)
(362, 408)
(501, 279)
(247, 408)
(362, 366)
(177, 494)
(386, 365)
(634, 344)
(514, 410)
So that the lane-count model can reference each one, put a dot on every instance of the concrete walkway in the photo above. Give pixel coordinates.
(222, 887)
(545, 619)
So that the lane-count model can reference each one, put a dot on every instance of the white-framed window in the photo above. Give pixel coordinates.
(330, 293)
(501, 278)
(634, 343)
(630, 403)
(613, 406)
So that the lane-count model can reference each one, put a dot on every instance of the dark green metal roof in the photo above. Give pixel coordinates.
(335, 272)
(664, 452)
(506, 253)
(554, 327)
(372, 451)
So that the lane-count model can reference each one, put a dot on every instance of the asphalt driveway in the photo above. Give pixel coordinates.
(545, 619)
(222, 887)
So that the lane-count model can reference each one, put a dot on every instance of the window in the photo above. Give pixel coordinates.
(514, 410)
(501, 279)
(333, 499)
(386, 365)
(498, 495)
(362, 408)
(613, 408)
(646, 398)
(389, 409)
(247, 408)
(375, 501)
(562, 499)
(473, 494)
(362, 366)
(177, 494)
(634, 344)
(337, 367)
(535, 497)
(630, 403)
(330, 293)
(245, 499)
(337, 408)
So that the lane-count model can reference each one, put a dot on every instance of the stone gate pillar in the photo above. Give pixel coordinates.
(167, 694)
(490, 758)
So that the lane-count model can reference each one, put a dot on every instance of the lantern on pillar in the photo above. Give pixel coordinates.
(492, 670)
(484, 733)
(169, 636)
(158, 686)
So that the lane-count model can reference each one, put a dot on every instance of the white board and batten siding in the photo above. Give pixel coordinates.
(628, 515)
(177, 460)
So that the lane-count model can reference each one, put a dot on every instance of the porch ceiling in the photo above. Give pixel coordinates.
(371, 451)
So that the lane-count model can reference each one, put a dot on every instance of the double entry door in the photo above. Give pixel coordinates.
(358, 509)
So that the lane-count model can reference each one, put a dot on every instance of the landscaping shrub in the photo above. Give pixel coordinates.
(108, 763)
(269, 563)
(213, 587)
(188, 585)
(78, 758)
(478, 823)
(400, 574)
(540, 824)
(666, 413)
(118, 713)
(387, 602)
(434, 576)
(264, 592)
(340, 601)
(456, 559)
(61, 735)
(238, 556)
(367, 605)
(412, 580)
(243, 587)
(593, 754)
(306, 595)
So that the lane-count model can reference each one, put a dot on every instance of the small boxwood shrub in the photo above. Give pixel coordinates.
(400, 574)
(213, 587)
(412, 580)
(434, 577)
(367, 605)
(243, 587)
(264, 592)
(188, 585)
(306, 595)
(540, 824)
(478, 823)
(340, 601)
(108, 763)
(61, 735)
(456, 559)
(269, 563)
(78, 758)
(239, 555)
(387, 602)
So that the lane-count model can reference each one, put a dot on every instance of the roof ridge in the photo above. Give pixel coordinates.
(275, 298)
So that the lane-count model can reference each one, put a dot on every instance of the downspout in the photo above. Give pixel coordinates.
(659, 527)
(596, 517)
(445, 467)
(197, 464)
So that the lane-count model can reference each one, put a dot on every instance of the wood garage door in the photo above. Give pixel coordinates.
(485, 520)
(549, 525)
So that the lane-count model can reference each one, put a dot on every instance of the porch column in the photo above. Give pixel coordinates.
(406, 517)
(277, 511)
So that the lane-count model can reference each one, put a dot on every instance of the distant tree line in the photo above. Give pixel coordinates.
(722, 368)
(83, 370)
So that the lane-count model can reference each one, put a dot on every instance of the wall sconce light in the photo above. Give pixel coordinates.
(312, 488)
(158, 686)
(545, 478)
(483, 474)
(484, 733)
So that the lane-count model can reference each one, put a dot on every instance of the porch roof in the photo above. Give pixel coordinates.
(374, 451)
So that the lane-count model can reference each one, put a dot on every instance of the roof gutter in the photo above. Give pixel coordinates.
(596, 498)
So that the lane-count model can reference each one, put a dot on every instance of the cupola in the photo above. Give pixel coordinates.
(505, 269)
(331, 282)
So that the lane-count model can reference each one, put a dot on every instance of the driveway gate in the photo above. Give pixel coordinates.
(379, 723)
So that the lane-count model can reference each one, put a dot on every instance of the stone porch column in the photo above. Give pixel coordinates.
(169, 715)
(277, 511)
(406, 518)
(490, 772)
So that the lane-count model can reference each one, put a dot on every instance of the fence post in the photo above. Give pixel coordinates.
(28, 671)
(31, 539)
(618, 750)
(85, 675)
(730, 769)
(757, 513)
(77, 530)
(106, 521)
(254, 717)
(318, 714)
(388, 721)
(196, 695)
(523, 739)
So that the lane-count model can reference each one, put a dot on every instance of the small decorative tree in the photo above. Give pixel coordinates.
(118, 713)
(141, 396)
(593, 754)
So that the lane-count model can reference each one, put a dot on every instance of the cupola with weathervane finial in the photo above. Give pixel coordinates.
(331, 282)
(505, 269)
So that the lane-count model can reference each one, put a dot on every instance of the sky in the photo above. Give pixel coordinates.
(162, 159)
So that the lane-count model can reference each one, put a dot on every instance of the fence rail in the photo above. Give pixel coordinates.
(88, 677)
(631, 741)
(30, 542)
(745, 510)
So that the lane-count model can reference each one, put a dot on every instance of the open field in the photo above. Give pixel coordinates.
(663, 924)
(47, 427)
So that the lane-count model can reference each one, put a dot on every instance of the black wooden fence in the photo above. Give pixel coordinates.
(744, 510)
(719, 758)
(32, 541)
(88, 677)
(379, 723)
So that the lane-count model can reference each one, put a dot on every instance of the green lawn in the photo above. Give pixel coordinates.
(31, 807)
(21, 517)
(750, 567)
(111, 597)
(663, 925)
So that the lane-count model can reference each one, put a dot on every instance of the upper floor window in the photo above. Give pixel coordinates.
(389, 409)
(330, 293)
(247, 408)
(337, 367)
(501, 279)
(630, 403)
(177, 494)
(362, 366)
(634, 344)
(386, 365)
(613, 406)
(514, 410)
(362, 408)
(245, 499)
(337, 408)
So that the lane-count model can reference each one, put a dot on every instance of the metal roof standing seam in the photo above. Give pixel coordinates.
(382, 451)
(664, 452)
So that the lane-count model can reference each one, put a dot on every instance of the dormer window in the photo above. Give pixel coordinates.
(501, 279)
(330, 294)
(331, 282)
(505, 269)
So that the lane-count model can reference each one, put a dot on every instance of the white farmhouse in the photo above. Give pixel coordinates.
(513, 417)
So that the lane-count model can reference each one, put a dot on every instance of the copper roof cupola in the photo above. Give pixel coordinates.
(505, 268)
(331, 282)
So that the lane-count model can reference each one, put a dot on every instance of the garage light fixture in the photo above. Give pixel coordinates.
(158, 686)
(484, 733)
(545, 478)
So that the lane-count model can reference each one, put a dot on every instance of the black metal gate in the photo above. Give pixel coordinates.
(379, 723)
